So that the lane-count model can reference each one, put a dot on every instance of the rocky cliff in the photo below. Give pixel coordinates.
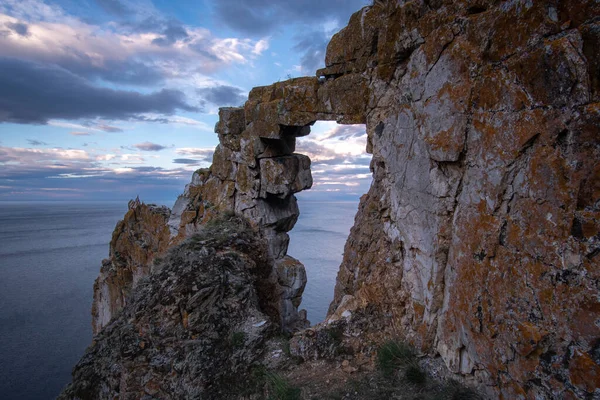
(479, 239)
(191, 329)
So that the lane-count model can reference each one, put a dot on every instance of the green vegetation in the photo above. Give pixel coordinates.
(280, 389)
(393, 355)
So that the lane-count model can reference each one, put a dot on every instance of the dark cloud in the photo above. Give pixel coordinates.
(345, 132)
(186, 161)
(35, 93)
(261, 17)
(34, 142)
(172, 32)
(313, 46)
(223, 95)
(148, 146)
(19, 28)
(114, 7)
(120, 71)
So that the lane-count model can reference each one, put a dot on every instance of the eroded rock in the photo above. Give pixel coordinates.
(478, 240)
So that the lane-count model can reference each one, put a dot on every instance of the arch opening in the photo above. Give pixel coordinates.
(341, 175)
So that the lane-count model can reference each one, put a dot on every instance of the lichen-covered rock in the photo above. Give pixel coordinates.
(192, 329)
(479, 239)
(485, 137)
(141, 236)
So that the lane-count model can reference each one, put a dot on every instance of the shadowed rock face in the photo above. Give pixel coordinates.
(191, 329)
(479, 239)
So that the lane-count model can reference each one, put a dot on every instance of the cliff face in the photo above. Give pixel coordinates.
(141, 236)
(483, 121)
(479, 239)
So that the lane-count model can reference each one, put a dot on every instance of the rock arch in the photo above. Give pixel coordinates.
(478, 239)
(255, 171)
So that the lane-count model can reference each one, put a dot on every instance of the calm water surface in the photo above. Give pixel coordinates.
(50, 254)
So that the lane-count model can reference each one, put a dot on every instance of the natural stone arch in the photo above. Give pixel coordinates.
(255, 171)
(477, 240)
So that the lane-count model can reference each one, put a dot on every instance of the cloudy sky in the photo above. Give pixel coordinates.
(109, 99)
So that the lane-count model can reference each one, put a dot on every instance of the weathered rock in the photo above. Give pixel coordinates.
(282, 176)
(192, 329)
(479, 238)
(141, 236)
(480, 123)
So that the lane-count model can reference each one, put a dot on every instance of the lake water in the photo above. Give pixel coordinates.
(50, 254)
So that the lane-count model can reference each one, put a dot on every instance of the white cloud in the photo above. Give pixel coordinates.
(261, 46)
(84, 48)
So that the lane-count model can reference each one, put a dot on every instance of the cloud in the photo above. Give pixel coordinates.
(114, 7)
(19, 28)
(186, 161)
(173, 32)
(344, 132)
(108, 128)
(148, 146)
(36, 93)
(316, 20)
(151, 51)
(194, 155)
(82, 127)
(34, 142)
(261, 46)
(339, 160)
(313, 46)
(196, 151)
(261, 17)
(223, 95)
(59, 173)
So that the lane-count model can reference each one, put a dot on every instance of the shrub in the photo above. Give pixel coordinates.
(280, 389)
(392, 355)
(415, 374)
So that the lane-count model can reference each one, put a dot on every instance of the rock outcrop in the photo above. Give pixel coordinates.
(479, 239)
(141, 236)
(191, 329)
(483, 120)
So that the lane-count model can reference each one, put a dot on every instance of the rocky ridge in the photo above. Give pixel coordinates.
(478, 241)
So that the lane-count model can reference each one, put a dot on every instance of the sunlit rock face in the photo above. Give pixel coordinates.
(137, 239)
(478, 240)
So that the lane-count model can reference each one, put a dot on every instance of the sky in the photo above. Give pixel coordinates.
(111, 99)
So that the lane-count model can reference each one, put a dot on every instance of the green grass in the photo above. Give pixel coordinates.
(280, 389)
(392, 355)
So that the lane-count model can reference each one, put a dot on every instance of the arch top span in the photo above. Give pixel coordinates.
(302, 101)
